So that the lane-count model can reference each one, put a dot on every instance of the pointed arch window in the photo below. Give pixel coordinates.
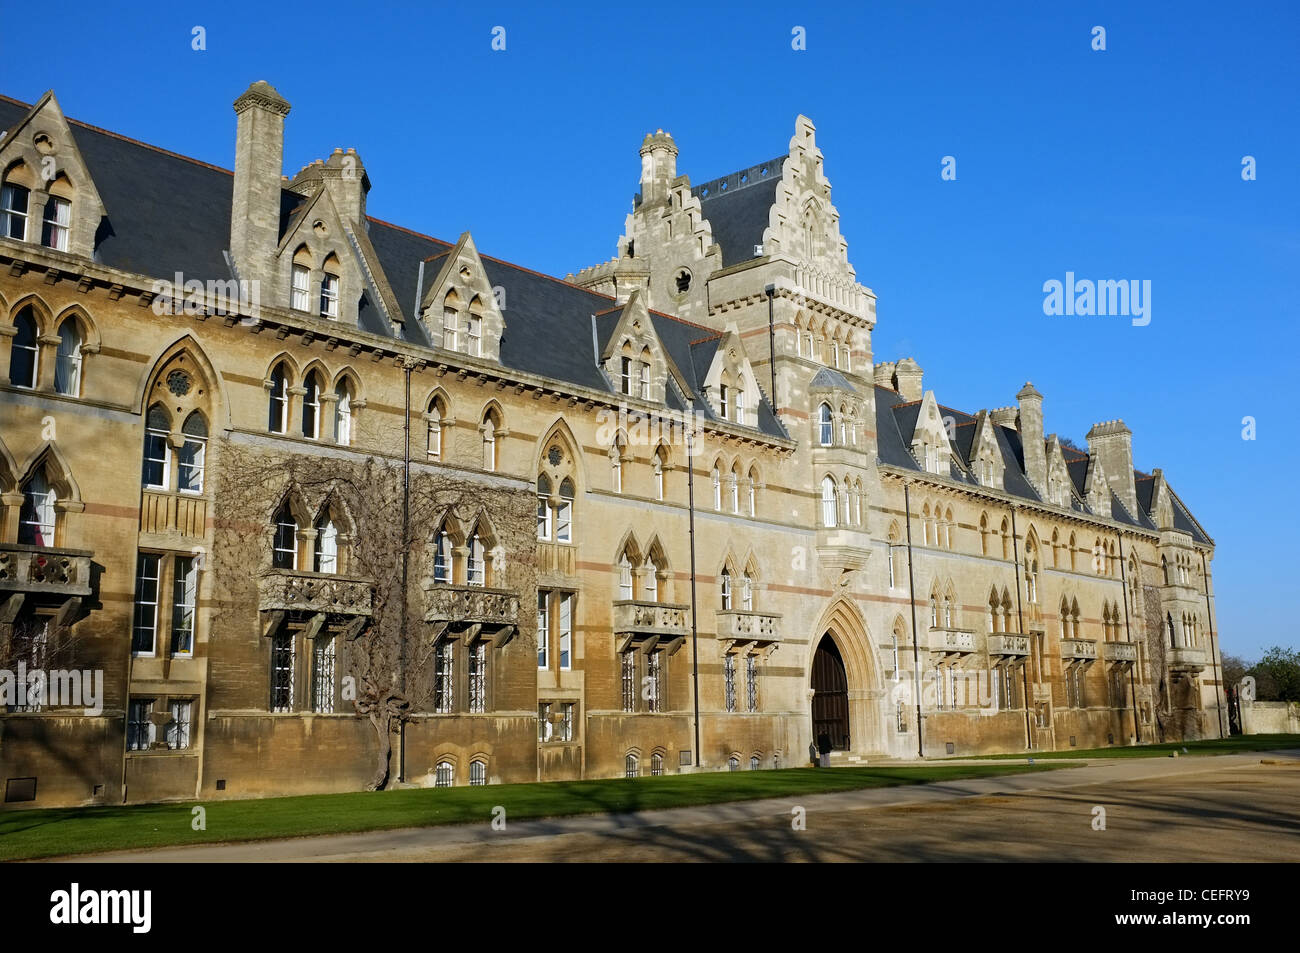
(301, 287)
(56, 227)
(284, 553)
(717, 488)
(752, 490)
(474, 333)
(329, 295)
(543, 507)
(437, 414)
(14, 201)
(739, 403)
(442, 557)
(747, 592)
(192, 459)
(343, 414)
(311, 407)
(625, 376)
(490, 426)
(733, 488)
(278, 417)
(645, 380)
(650, 584)
(564, 513)
(37, 515)
(658, 464)
(67, 365)
(725, 581)
(327, 545)
(625, 587)
(475, 566)
(450, 323)
(828, 502)
(157, 450)
(23, 351)
(825, 428)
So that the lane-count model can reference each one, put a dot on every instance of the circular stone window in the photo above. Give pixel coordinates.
(44, 144)
(682, 280)
(320, 229)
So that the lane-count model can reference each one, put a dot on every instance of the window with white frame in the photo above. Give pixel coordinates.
(645, 381)
(14, 201)
(140, 729)
(329, 296)
(326, 555)
(144, 631)
(543, 508)
(543, 628)
(725, 589)
(178, 729)
(474, 335)
(825, 426)
(828, 502)
(450, 328)
(278, 403)
(185, 593)
(717, 488)
(284, 547)
(37, 514)
(545, 730)
(301, 291)
(564, 631)
(475, 567)
(343, 414)
(747, 592)
(193, 453)
(157, 449)
(67, 365)
(442, 558)
(625, 376)
(444, 682)
(564, 513)
(625, 590)
(56, 228)
(311, 407)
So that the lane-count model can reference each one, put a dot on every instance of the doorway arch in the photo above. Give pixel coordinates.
(830, 701)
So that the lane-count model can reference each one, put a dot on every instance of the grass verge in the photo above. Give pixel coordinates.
(56, 832)
(1237, 744)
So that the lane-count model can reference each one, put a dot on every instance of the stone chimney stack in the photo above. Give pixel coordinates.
(908, 376)
(1031, 437)
(1112, 443)
(658, 167)
(344, 176)
(883, 374)
(1005, 417)
(259, 160)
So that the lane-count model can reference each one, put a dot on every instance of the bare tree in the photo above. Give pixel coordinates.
(390, 656)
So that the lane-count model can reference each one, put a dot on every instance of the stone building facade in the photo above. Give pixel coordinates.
(666, 514)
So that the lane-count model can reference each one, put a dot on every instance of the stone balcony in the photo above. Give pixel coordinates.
(740, 625)
(286, 590)
(952, 641)
(664, 619)
(1121, 653)
(1009, 644)
(40, 571)
(1081, 649)
(478, 605)
(1185, 659)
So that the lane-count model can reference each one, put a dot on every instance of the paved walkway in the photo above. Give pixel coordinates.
(1228, 807)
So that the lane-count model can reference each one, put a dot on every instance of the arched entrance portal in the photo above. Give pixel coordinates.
(830, 702)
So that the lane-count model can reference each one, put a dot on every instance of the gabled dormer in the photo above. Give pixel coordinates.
(730, 386)
(315, 268)
(986, 460)
(1060, 492)
(47, 196)
(930, 444)
(460, 310)
(631, 353)
(1096, 488)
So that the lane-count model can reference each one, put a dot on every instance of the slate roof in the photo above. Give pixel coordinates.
(827, 377)
(168, 213)
(896, 421)
(737, 207)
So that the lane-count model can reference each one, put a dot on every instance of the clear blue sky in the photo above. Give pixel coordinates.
(1117, 164)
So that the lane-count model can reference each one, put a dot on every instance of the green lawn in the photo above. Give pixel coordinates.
(1237, 744)
(60, 831)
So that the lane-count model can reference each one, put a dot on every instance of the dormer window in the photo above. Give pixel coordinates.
(57, 226)
(301, 288)
(450, 332)
(738, 404)
(645, 381)
(13, 212)
(329, 296)
(475, 335)
(625, 377)
(723, 395)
